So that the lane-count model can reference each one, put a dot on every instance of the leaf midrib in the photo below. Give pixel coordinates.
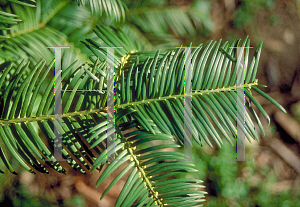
(42, 24)
(141, 170)
(248, 86)
(47, 117)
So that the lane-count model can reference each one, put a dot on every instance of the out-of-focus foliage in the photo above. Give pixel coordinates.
(231, 183)
(247, 10)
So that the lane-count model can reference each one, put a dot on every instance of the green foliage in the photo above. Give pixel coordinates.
(8, 18)
(248, 9)
(114, 8)
(22, 197)
(135, 104)
(234, 188)
(157, 20)
(149, 100)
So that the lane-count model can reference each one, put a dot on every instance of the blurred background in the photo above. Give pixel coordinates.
(273, 179)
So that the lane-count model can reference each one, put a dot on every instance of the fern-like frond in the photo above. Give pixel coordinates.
(182, 20)
(149, 97)
(7, 17)
(32, 37)
(152, 83)
(150, 160)
(114, 9)
(28, 108)
(112, 38)
(28, 105)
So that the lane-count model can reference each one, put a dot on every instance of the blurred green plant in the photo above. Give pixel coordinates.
(231, 187)
(247, 10)
(20, 197)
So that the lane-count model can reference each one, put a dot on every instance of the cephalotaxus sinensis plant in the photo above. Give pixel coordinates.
(149, 125)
